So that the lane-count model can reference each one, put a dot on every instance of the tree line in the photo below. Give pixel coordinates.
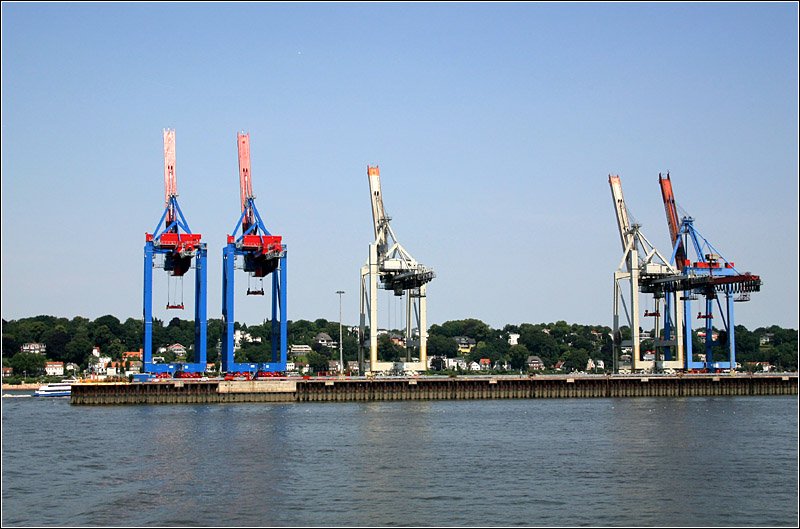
(72, 340)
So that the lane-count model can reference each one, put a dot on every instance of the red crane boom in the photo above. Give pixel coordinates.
(245, 183)
(672, 219)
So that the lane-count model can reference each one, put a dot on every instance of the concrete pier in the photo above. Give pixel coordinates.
(332, 389)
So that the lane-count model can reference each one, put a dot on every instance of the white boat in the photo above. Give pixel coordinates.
(55, 389)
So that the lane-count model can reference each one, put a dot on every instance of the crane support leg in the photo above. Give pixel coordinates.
(200, 317)
(228, 260)
(373, 307)
(147, 348)
(423, 327)
(284, 313)
(636, 360)
(731, 334)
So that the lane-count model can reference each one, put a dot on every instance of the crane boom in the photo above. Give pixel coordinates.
(623, 223)
(379, 218)
(170, 182)
(245, 183)
(672, 219)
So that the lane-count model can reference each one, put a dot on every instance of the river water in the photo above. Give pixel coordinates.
(699, 461)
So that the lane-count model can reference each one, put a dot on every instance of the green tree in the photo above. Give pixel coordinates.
(56, 340)
(484, 350)
(518, 356)
(30, 363)
(78, 349)
(317, 362)
(387, 351)
(539, 343)
(439, 345)
(575, 360)
(10, 344)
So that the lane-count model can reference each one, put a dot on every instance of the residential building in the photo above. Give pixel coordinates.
(513, 338)
(8, 371)
(465, 344)
(352, 366)
(133, 355)
(485, 364)
(456, 363)
(296, 350)
(333, 366)
(33, 347)
(54, 369)
(325, 340)
(178, 350)
(534, 363)
(595, 364)
(240, 336)
(134, 367)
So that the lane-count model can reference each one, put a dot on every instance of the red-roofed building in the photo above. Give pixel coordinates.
(54, 369)
(133, 355)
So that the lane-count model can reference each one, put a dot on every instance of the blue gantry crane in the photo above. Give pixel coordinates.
(262, 254)
(173, 239)
(709, 276)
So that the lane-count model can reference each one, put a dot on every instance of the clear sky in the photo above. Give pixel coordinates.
(495, 126)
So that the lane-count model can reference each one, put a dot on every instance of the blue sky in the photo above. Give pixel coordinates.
(495, 126)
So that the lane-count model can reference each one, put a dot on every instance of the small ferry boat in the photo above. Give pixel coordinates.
(55, 389)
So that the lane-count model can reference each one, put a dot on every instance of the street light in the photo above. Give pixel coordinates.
(341, 358)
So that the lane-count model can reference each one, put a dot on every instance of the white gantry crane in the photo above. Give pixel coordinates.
(399, 272)
(645, 269)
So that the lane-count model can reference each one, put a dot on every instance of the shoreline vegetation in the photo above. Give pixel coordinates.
(80, 343)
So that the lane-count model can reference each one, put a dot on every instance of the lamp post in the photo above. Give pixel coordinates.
(341, 357)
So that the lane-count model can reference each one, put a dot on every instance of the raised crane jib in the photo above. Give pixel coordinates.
(379, 219)
(623, 223)
(170, 182)
(245, 182)
(673, 221)
(181, 247)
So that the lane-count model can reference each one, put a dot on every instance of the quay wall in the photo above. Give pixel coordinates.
(430, 388)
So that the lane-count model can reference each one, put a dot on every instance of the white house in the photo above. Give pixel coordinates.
(239, 336)
(299, 349)
(54, 369)
(534, 363)
(34, 347)
(513, 338)
(325, 340)
(178, 350)
(456, 363)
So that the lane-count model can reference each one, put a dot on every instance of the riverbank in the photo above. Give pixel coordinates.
(21, 387)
